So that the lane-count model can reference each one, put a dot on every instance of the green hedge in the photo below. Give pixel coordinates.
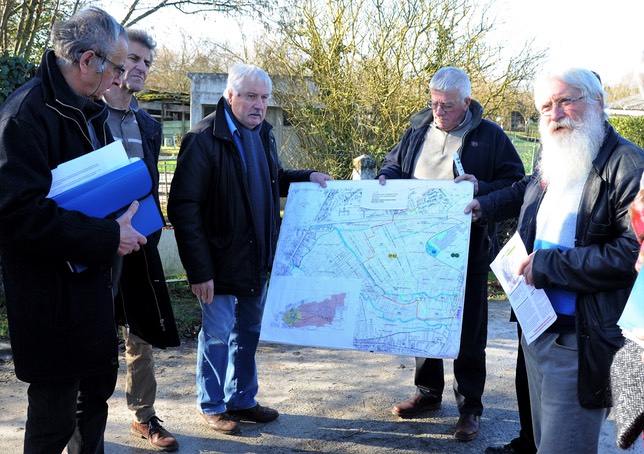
(14, 71)
(630, 127)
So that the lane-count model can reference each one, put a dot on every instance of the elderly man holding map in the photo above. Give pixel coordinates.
(225, 206)
(451, 131)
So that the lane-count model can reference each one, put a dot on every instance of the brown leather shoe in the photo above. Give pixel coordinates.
(255, 414)
(222, 423)
(467, 427)
(416, 405)
(154, 432)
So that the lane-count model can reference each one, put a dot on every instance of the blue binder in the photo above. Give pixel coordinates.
(110, 195)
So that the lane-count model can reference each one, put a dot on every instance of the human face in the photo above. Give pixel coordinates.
(250, 104)
(100, 81)
(137, 67)
(449, 109)
(561, 106)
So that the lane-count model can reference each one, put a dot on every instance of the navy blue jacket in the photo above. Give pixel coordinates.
(143, 303)
(210, 209)
(487, 153)
(61, 324)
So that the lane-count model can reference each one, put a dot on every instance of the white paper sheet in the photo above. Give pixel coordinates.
(531, 305)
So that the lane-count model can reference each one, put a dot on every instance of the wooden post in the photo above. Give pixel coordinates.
(364, 168)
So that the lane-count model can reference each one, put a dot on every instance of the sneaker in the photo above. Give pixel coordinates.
(154, 432)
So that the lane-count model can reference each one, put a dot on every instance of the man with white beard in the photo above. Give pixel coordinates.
(574, 222)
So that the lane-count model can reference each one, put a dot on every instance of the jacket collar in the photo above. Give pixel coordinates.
(56, 90)
(610, 142)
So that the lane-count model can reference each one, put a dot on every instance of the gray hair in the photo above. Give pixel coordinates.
(241, 72)
(88, 29)
(452, 79)
(143, 38)
(586, 81)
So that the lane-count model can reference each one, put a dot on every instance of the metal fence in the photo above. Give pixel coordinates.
(166, 171)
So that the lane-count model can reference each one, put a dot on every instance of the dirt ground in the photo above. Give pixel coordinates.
(329, 400)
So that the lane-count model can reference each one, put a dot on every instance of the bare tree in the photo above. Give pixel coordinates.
(355, 70)
(25, 24)
(139, 10)
(171, 65)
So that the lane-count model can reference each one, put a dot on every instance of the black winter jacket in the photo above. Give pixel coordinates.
(143, 303)
(600, 268)
(209, 206)
(61, 324)
(487, 153)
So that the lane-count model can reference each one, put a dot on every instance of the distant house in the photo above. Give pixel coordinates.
(172, 109)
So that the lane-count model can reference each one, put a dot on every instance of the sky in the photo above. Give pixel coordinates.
(605, 36)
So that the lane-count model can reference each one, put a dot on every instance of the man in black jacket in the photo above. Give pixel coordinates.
(453, 124)
(142, 304)
(574, 222)
(61, 324)
(225, 208)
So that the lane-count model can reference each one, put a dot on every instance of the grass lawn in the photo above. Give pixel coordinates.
(526, 149)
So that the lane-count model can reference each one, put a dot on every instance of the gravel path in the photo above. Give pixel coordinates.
(329, 400)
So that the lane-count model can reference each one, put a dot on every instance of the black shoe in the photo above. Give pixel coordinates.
(505, 449)
(467, 427)
(255, 414)
(416, 405)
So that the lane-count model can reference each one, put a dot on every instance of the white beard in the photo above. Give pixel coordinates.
(567, 156)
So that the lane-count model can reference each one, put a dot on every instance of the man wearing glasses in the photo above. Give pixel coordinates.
(61, 324)
(453, 124)
(142, 304)
(574, 222)
(225, 208)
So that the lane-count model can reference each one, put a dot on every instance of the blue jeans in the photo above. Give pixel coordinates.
(226, 369)
(561, 424)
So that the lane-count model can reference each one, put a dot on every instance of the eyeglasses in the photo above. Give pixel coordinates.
(120, 69)
(447, 107)
(252, 97)
(561, 103)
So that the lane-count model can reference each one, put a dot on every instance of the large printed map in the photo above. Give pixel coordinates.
(369, 267)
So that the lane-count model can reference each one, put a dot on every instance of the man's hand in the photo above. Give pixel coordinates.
(131, 240)
(321, 178)
(205, 292)
(525, 269)
(471, 178)
(473, 207)
(382, 179)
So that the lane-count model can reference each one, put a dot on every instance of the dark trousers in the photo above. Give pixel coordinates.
(469, 366)
(524, 443)
(72, 414)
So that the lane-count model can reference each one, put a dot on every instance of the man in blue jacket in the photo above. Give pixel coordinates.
(142, 304)
(454, 124)
(574, 222)
(63, 336)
